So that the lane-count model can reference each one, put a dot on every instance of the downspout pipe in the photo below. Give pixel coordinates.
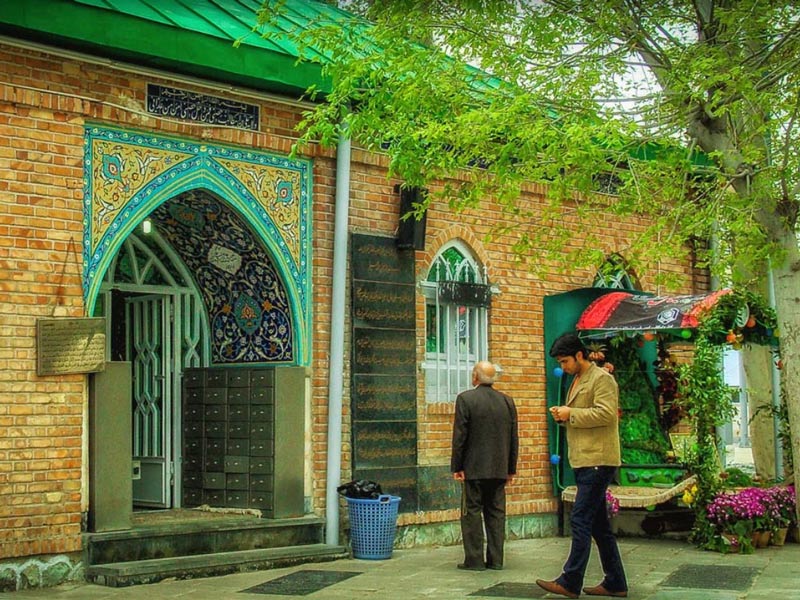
(719, 430)
(776, 389)
(336, 354)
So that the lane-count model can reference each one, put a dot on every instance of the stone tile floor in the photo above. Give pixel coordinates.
(657, 570)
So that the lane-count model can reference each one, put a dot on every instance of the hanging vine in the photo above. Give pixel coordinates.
(737, 318)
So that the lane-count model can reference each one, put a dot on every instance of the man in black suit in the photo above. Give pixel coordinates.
(484, 459)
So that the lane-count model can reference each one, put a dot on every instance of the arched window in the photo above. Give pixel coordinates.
(613, 273)
(457, 299)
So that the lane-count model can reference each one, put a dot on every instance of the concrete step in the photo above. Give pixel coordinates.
(143, 543)
(123, 574)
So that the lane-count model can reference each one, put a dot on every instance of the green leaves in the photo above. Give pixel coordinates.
(478, 99)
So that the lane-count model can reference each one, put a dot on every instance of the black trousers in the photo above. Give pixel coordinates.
(484, 498)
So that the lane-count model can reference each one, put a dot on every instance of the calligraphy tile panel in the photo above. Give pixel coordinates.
(375, 258)
(379, 304)
(436, 488)
(384, 397)
(384, 351)
(385, 443)
(384, 366)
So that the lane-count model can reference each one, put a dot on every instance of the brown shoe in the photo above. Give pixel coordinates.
(555, 588)
(599, 590)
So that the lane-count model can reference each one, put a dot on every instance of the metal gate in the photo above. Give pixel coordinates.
(164, 331)
(149, 333)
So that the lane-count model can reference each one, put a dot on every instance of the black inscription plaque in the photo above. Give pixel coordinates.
(465, 294)
(384, 397)
(200, 108)
(377, 259)
(437, 489)
(379, 304)
(384, 385)
(384, 351)
(395, 482)
(384, 443)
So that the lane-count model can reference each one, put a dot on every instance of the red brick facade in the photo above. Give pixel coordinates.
(45, 102)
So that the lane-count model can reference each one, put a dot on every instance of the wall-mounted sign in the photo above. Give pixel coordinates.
(200, 108)
(381, 304)
(66, 346)
(384, 397)
(385, 444)
(375, 258)
(384, 366)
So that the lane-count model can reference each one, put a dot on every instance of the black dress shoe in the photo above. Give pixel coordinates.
(494, 567)
(467, 567)
(555, 588)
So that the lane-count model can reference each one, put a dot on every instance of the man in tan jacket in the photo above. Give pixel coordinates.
(591, 419)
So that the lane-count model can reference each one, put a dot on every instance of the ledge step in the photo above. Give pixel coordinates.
(123, 574)
(183, 538)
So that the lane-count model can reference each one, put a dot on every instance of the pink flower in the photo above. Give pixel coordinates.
(612, 504)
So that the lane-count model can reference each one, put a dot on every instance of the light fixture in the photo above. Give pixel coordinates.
(147, 226)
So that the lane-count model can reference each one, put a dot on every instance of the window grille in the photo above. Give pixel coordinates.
(456, 323)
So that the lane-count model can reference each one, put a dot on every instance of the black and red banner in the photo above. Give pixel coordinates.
(638, 312)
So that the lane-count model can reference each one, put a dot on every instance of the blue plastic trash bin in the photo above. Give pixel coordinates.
(373, 524)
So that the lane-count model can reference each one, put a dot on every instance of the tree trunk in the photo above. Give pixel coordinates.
(757, 362)
(786, 278)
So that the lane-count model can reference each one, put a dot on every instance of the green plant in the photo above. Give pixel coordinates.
(734, 478)
(740, 317)
(736, 318)
(641, 436)
(705, 398)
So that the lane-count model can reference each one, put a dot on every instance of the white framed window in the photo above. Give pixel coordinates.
(457, 299)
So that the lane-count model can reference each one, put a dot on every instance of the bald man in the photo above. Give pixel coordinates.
(484, 459)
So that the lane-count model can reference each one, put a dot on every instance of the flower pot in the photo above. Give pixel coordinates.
(779, 536)
(760, 539)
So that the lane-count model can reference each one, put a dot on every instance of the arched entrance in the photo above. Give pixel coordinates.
(198, 257)
(155, 321)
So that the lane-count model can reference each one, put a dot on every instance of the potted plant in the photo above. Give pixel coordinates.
(759, 504)
(782, 500)
(729, 523)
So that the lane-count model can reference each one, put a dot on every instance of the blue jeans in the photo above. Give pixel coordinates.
(590, 520)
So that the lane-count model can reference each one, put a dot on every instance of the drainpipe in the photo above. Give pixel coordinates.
(336, 355)
(719, 430)
(776, 389)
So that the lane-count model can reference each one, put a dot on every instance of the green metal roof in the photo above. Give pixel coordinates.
(194, 37)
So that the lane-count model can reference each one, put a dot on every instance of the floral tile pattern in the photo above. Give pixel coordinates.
(254, 275)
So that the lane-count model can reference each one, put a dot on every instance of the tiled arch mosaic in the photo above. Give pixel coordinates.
(256, 256)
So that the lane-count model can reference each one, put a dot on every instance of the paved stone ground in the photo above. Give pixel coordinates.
(657, 570)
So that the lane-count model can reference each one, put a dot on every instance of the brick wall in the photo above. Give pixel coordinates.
(43, 485)
(41, 420)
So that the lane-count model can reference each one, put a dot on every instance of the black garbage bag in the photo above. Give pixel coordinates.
(360, 489)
